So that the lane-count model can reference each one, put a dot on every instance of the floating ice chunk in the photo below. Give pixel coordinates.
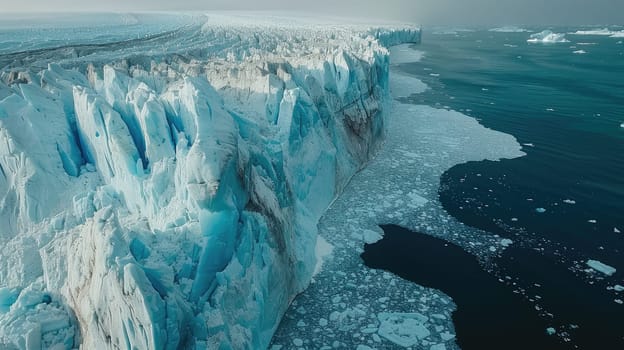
(547, 37)
(416, 200)
(298, 342)
(509, 29)
(616, 230)
(580, 52)
(618, 301)
(551, 331)
(618, 288)
(514, 219)
(601, 267)
(592, 221)
(363, 347)
(603, 32)
(403, 329)
(540, 210)
(446, 335)
(528, 144)
(569, 201)
(506, 242)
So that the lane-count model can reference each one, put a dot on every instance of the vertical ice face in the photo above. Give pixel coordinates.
(171, 200)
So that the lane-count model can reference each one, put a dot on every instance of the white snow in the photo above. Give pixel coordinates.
(601, 267)
(547, 37)
(148, 199)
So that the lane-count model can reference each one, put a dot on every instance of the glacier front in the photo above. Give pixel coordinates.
(163, 192)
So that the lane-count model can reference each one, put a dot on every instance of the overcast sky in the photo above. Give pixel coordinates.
(422, 11)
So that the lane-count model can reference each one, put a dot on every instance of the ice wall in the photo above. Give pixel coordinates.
(170, 200)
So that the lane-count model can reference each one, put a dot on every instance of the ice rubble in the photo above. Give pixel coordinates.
(164, 193)
(349, 305)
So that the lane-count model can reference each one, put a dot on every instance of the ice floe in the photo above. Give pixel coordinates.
(601, 267)
(547, 37)
(509, 29)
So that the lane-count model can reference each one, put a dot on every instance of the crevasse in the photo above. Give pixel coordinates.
(170, 199)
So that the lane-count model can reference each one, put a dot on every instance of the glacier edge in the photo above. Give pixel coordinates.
(171, 201)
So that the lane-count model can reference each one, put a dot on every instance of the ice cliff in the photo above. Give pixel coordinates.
(163, 193)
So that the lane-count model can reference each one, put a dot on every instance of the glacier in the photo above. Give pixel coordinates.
(350, 305)
(164, 192)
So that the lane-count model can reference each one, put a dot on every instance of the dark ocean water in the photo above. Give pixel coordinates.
(562, 204)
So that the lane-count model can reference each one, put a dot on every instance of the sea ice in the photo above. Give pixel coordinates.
(602, 32)
(508, 29)
(547, 37)
(403, 329)
(505, 242)
(601, 267)
(401, 54)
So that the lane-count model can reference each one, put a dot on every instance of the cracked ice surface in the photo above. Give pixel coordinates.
(349, 305)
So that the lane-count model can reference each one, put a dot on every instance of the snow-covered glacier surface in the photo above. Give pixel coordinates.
(163, 191)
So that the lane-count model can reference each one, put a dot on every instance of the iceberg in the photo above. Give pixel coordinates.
(164, 192)
(547, 37)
